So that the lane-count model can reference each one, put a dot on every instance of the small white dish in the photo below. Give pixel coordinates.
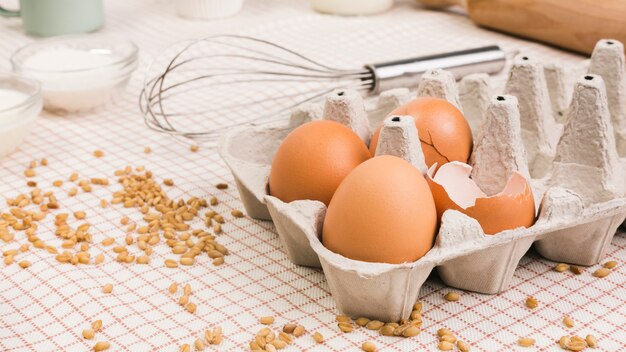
(352, 7)
(20, 106)
(78, 73)
(207, 9)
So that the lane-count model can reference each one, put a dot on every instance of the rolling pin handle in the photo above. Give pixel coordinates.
(440, 4)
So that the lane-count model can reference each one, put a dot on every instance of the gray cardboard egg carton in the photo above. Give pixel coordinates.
(569, 137)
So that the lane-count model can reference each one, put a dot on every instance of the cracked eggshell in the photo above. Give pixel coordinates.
(313, 159)
(452, 188)
(443, 131)
(383, 212)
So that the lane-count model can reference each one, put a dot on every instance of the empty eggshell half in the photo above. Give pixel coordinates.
(452, 188)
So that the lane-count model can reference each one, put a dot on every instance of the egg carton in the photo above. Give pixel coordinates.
(569, 139)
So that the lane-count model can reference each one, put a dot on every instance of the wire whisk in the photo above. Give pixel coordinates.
(222, 81)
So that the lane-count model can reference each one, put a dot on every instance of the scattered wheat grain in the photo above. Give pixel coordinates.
(526, 341)
(532, 303)
(576, 269)
(191, 308)
(317, 337)
(96, 325)
(101, 346)
(267, 320)
(591, 341)
(452, 296)
(602, 272)
(368, 346)
(561, 267)
(88, 334)
(462, 346)
(445, 346)
(567, 321)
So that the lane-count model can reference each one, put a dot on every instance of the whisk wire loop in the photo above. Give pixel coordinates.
(233, 79)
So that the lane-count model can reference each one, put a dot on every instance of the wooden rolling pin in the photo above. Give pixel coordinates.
(572, 24)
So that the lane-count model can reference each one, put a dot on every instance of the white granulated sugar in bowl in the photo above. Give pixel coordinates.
(73, 80)
(68, 59)
(78, 74)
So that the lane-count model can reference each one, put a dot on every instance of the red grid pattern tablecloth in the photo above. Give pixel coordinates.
(46, 306)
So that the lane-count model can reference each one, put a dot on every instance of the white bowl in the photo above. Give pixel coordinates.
(17, 118)
(207, 9)
(78, 73)
(352, 7)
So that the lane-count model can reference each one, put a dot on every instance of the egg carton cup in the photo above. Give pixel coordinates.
(576, 164)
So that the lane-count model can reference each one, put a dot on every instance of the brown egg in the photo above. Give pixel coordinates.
(443, 131)
(382, 212)
(313, 160)
(452, 188)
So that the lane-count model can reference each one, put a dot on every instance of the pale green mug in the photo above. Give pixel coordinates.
(46, 18)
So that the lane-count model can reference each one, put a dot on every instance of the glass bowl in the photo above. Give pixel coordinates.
(20, 104)
(78, 73)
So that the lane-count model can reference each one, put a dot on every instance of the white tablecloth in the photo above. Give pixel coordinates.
(46, 306)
